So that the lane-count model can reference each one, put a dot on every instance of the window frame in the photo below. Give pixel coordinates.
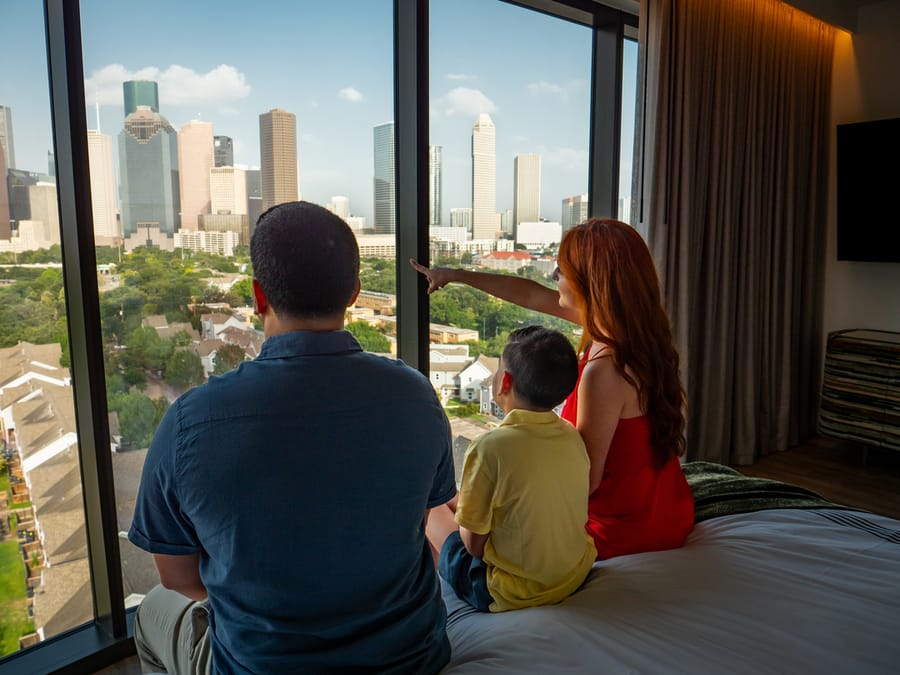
(107, 638)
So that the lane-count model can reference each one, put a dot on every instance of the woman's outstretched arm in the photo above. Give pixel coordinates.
(523, 292)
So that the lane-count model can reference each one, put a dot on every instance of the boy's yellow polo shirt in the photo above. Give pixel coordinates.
(526, 483)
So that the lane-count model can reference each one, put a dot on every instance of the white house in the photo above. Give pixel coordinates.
(471, 377)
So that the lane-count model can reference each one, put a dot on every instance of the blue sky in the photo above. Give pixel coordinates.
(331, 64)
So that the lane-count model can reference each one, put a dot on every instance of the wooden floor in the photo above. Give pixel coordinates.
(866, 478)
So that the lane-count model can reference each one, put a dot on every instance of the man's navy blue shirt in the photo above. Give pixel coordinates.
(302, 479)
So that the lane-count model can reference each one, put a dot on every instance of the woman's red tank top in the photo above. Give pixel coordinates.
(637, 507)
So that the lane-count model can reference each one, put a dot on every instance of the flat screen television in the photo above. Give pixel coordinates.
(868, 191)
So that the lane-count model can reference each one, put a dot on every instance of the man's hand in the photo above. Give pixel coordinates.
(437, 277)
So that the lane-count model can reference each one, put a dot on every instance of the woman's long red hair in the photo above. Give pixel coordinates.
(612, 276)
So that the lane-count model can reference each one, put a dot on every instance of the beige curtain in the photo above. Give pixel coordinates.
(731, 195)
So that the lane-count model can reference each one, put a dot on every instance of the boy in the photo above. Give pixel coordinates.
(517, 537)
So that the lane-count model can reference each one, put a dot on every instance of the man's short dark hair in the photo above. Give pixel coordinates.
(306, 260)
(543, 365)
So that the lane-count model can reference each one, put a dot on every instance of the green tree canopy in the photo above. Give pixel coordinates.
(228, 357)
(369, 338)
(184, 370)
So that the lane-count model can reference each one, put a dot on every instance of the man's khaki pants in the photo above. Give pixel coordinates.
(171, 633)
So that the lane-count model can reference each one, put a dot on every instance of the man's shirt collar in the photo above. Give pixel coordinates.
(308, 343)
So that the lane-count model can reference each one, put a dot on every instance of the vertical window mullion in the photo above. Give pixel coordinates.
(606, 97)
(411, 178)
(66, 77)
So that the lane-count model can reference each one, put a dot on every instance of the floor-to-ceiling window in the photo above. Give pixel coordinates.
(192, 118)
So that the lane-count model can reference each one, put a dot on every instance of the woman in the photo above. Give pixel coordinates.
(628, 403)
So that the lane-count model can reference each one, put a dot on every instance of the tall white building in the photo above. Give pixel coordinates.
(434, 185)
(527, 186)
(484, 178)
(196, 156)
(574, 211)
(461, 218)
(228, 190)
(103, 187)
(340, 206)
(385, 193)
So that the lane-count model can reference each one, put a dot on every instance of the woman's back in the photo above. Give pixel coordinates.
(637, 507)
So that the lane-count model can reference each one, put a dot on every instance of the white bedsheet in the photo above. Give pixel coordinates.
(779, 591)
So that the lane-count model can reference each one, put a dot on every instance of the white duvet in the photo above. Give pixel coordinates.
(779, 591)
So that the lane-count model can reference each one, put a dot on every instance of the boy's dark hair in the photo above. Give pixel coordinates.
(306, 260)
(543, 365)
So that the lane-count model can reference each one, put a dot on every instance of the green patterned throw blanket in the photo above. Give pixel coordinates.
(722, 491)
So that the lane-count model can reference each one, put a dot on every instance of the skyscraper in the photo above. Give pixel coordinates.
(6, 138)
(484, 178)
(224, 151)
(103, 187)
(140, 92)
(385, 192)
(340, 206)
(148, 169)
(195, 159)
(254, 197)
(434, 185)
(278, 157)
(5, 228)
(574, 211)
(527, 200)
(228, 190)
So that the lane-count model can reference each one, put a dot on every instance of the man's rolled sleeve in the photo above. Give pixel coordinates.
(160, 524)
(444, 487)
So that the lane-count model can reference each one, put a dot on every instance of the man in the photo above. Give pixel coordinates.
(287, 499)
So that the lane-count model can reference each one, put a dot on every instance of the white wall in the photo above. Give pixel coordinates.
(865, 86)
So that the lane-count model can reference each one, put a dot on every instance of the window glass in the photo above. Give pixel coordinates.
(221, 113)
(626, 143)
(510, 119)
(44, 573)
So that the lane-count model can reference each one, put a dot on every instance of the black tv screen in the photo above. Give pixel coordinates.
(868, 187)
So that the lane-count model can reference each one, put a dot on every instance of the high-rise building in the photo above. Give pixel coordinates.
(385, 190)
(484, 178)
(148, 170)
(254, 197)
(195, 159)
(574, 211)
(461, 218)
(507, 225)
(5, 227)
(140, 92)
(224, 150)
(278, 157)
(340, 206)
(103, 187)
(228, 190)
(6, 137)
(35, 203)
(527, 188)
(434, 185)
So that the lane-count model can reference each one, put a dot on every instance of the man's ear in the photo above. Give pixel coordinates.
(355, 294)
(259, 298)
(506, 383)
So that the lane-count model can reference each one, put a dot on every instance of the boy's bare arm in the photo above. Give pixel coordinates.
(473, 542)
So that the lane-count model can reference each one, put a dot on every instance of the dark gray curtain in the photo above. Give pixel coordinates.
(732, 196)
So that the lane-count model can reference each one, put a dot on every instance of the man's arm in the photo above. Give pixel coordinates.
(181, 573)
(474, 543)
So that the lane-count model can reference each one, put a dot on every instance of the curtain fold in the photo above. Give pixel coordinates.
(732, 200)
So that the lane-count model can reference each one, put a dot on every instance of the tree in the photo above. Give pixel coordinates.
(244, 288)
(184, 370)
(228, 357)
(369, 338)
(137, 418)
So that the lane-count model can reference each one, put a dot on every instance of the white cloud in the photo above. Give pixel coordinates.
(350, 94)
(460, 76)
(464, 101)
(560, 91)
(177, 85)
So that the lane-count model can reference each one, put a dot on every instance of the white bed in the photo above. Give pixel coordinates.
(774, 591)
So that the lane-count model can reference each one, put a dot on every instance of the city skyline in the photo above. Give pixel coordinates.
(537, 92)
